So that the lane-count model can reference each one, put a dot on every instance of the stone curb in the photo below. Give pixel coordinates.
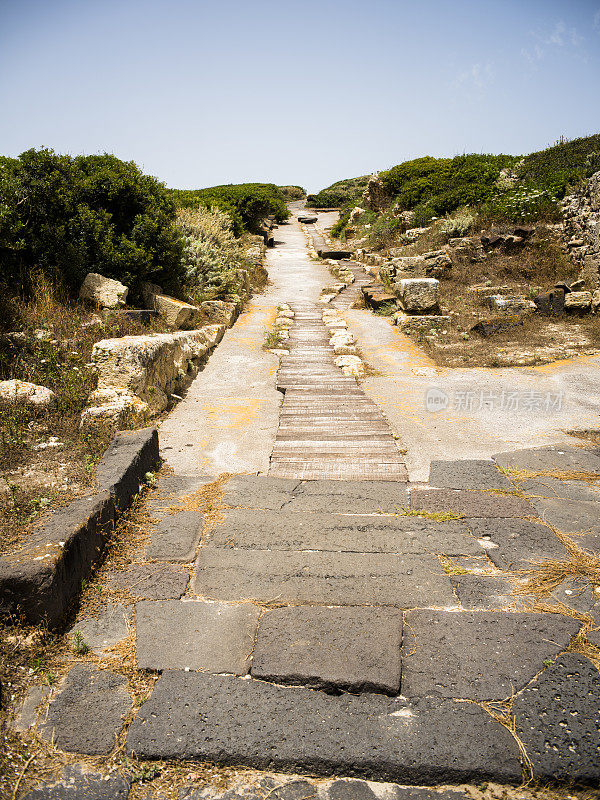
(42, 577)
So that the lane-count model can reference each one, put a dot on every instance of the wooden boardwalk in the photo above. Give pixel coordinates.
(328, 428)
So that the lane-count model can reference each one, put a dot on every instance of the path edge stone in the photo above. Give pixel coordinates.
(40, 579)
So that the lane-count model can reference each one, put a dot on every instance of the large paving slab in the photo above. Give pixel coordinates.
(559, 458)
(570, 516)
(336, 532)
(516, 543)
(156, 581)
(470, 503)
(566, 697)
(468, 474)
(555, 489)
(350, 497)
(253, 491)
(484, 592)
(330, 648)
(478, 655)
(323, 578)
(106, 630)
(175, 534)
(77, 784)
(88, 711)
(209, 637)
(233, 721)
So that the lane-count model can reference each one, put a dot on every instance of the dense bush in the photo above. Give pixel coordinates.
(212, 255)
(292, 192)
(562, 165)
(347, 192)
(248, 204)
(66, 216)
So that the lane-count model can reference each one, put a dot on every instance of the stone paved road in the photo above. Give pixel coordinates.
(362, 628)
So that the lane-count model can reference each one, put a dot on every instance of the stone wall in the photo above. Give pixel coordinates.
(582, 230)
(136, 374)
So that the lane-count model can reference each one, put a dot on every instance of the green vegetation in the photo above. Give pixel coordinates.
(291, 193)
(246, 203)
(502, 188)
(342, 193)
(66, 216)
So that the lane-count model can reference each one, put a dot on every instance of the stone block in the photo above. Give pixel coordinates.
(294, 729)
(88, 711)
(252, 491)
(468, 474)
(578, 302)
(103, 292)
(469, 504)
(570, 516)
(551, 458)
(357, 649)
(151, 581)
(209, 637)
(494, 325)
(126, 462)
(75, 783)
(478, 655)
(515, 543)
(417, 295)
(106, 630)
(350, 497)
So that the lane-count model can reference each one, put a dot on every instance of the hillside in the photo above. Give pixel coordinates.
(505, 185)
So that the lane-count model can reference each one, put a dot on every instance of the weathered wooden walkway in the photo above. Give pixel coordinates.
(329, 429)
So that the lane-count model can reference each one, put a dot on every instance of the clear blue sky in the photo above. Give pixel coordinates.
(310, 91)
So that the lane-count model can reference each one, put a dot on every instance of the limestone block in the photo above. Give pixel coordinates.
(26, 394)
(578, 302)
(351, 366)
(418, 295)
(174, 312)
(103, 292)
(596, 302)
(220, 311)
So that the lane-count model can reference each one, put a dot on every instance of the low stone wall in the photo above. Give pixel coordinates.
(40, 580)
(136, 374)
(582, 230)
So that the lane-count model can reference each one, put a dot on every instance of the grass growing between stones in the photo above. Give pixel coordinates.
(438, 516)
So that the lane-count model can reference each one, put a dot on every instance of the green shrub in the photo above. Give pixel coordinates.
(561, 166)
(66, 216)
(248, 204)
(291, 193)
(347, 192)
(522, 205)
(458, 224)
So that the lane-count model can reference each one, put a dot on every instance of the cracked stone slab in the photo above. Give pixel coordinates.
(484, 592)
(175, 534)
(350, 497)
(247, 722)
(151, 581)
(106, 630)
(325, 578)
(468, 474)
(470, 504)
(330, 648)
(253, 491)
(570, 516)
(478, 655)
(295, 530)
(559, 458)
(517, 542)
(77, 784)
(555, 489)
(209, 637)
(88, 711)
(557, 718)
(576, 593)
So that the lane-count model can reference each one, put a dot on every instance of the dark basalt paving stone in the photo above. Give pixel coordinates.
(519, 541)
(151, 581)
(484, 592)
(88, 711)
(569, 516)
(107, 629)
(210, 637)
(330, 648)
(252, 491)
(562, 458)
(470, 504)
(350, 497)
(326, 578)
(233, 721)
(260, 530)
(478, 655)
(175, 534)
(79, 785)
(553, 488)
(576, 594)
(557, 718)
(468, 474)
